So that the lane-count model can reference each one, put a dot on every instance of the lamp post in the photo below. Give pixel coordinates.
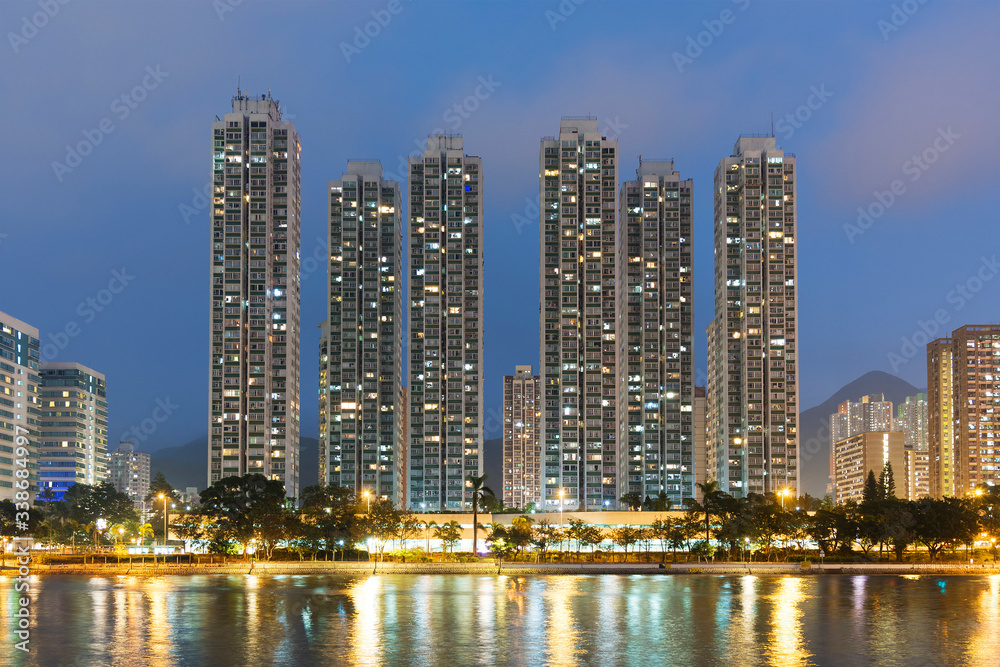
(163, 497)
(782, 493)
(562, 492)
(121, 532)
(368, 496)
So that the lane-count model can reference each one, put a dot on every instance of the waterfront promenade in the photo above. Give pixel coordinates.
(511, 569)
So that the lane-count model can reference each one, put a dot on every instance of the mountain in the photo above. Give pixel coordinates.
(814, 424)
(187, 465)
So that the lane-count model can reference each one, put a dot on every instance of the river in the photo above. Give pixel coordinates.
(508, 620)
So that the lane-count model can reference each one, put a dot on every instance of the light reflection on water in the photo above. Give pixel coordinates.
(462, 620)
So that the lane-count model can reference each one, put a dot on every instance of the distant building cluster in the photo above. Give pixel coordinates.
(128, 471)
(948, 440)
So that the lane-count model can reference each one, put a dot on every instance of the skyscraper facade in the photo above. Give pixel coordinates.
(522, 449)
(857, 455)
(73, 428)
(582, 442)
(754, 374)
(869, 414)
(911, 419)
(128, 471)
(19, 403)
(973, 387)
(254, 363)
(655, 333)
(361, 440)
(940, 417)
(445, 319)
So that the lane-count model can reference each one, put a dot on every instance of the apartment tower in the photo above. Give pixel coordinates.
(655, 333)
(581, 435)
(73, 428)
(20, 412)
(753, 376)
(254, 365)
(445, 319)
(522, 449)
(361, 445)
(964, 404)
(128, 471)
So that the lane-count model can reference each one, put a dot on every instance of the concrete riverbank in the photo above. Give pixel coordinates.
(486, 568)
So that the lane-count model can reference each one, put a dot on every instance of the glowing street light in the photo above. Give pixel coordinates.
(782, 494)
(562, 492)
(368, 496)
(163, 497)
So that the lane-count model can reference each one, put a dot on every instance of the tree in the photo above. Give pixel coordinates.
(408, 528)
(329, 512)
(711, 496)
(545, 534)
(449, 534)
(86, 503)
(576, 531)
(871, 492)
(238, 507)
(886, 482)
(632, 500)
(160, 486)
(593, 536)
(498, 542)
(625, 536)
(519, 533)
(939, 523)
(381, 524)
(479, 492)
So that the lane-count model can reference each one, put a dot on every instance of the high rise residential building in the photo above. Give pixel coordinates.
(361, 440)
(753, 376)
(128, 471)
(940, 417)
(73, 428)
(655, 333)
(869, 414)
(445, 320)
(522, 448)
(700, 439)
(911, 419)
(582, 436)
(19, 404)
(963, 400)
(254, 363)
(918, 472)
(867, 452)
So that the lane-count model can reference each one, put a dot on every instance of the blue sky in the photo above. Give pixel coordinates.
(903, 96)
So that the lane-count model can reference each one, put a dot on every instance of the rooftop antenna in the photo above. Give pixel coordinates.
(772, 125)
(237, 85)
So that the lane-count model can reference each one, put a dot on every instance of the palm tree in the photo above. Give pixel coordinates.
(710, 495)
(479, 492)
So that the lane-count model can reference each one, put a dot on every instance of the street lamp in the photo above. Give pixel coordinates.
(163, 497)
(121, 532)
(782, 493)
(368, 496)
(562, 492)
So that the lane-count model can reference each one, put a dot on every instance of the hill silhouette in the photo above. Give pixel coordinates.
(814, 424)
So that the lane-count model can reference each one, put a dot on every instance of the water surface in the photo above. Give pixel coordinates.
(518, 620)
